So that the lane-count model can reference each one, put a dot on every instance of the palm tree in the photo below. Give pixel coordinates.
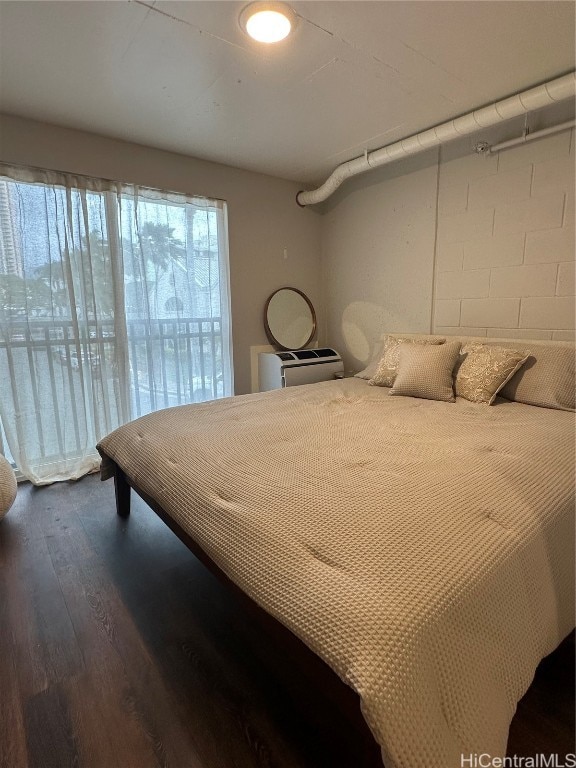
(92, 274)
(91, 288)
(159, 245)
(49, 289)
(160, 249)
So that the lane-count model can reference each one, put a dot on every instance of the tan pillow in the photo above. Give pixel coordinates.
(388, 365)
(426, 371)
(372, 366)
(546, 379)
(485, 370)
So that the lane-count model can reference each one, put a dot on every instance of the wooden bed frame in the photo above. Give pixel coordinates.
(347, 702)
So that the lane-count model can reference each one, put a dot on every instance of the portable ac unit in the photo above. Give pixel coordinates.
(302, 366)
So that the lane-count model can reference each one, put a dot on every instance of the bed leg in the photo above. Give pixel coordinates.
(122, 493)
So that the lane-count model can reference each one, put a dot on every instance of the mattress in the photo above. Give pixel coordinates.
(423, 549)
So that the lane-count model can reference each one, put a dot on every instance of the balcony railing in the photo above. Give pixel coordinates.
(170, 362)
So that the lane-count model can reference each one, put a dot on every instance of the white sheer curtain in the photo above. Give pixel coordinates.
(113, 302)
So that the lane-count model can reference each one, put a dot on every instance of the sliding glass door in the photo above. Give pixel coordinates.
(113, 303)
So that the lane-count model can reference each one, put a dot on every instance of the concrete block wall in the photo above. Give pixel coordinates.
(378, 234)
(505, 252)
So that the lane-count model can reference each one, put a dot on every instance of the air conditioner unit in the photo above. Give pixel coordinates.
(301, 366)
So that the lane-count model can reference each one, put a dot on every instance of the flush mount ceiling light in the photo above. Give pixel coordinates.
(267, 22)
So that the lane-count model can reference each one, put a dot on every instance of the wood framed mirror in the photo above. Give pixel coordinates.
(289, 319)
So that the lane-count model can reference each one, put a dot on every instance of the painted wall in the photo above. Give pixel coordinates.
(377, 256)
(273, 242)
(455, 242)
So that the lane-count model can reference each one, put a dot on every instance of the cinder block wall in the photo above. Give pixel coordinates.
(454, 242)
(505, 242)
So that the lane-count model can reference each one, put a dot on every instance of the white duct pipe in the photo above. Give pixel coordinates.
(541, 96)
(533, 136)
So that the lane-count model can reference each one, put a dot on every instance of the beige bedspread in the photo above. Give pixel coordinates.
(424, 550)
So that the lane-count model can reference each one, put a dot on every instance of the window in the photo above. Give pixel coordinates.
(113, 303)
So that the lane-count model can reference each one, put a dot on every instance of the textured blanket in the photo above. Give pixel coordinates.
(423, 549)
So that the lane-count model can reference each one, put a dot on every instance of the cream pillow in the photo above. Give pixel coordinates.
(546, 379)
(388, 365)
(485, 370)
(372, 366)
(426, 371)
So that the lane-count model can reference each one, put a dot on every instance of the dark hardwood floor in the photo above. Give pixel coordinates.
(119, 650)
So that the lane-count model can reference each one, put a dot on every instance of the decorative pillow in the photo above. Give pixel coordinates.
(426, 371)
(372, 366)
(485, 370)
(388, 365)
(546, 379)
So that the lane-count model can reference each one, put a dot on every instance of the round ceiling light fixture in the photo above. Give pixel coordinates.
(267, 22)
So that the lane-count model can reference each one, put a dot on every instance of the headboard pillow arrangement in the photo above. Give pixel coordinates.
(536, 372)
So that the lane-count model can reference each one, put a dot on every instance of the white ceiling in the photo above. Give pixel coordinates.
(182, 76)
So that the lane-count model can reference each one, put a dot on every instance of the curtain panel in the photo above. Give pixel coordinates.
(114, 302)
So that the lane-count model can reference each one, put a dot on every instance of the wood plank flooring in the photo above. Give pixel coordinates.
(119, 650)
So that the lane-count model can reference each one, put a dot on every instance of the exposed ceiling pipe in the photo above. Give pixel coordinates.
(535, 98)
(526, 137)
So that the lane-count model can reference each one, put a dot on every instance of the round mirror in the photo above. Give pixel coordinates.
(289, 319)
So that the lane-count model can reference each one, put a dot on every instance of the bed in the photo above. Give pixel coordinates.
(422, 549)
